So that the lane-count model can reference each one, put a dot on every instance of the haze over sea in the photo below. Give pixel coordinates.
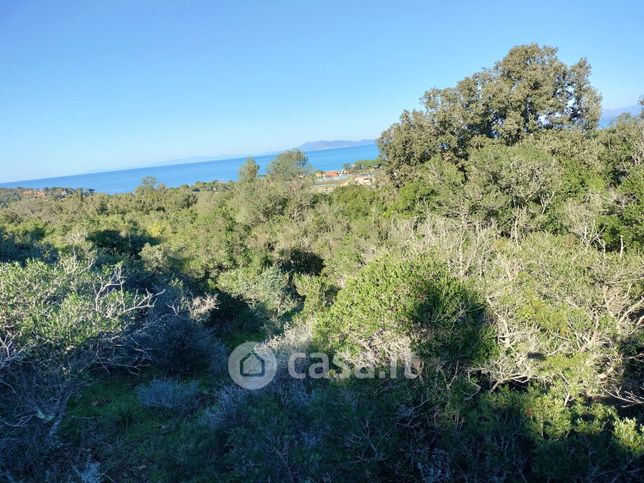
(123, 181)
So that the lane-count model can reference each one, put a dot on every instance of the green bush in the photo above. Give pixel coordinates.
(168, 394)
(563, 312)
(57, 323)
(266, 289)
(549, 439)
(414, 297)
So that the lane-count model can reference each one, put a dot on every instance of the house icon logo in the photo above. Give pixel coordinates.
(252, 365)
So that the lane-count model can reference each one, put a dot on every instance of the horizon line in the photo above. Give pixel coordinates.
(149, 166)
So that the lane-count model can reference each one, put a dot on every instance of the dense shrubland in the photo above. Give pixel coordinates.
(502, 244)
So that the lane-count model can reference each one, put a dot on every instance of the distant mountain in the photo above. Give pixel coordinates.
(634, 110)
(609, 115)
(319, 145)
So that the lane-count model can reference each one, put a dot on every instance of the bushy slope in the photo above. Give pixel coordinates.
(501, 243)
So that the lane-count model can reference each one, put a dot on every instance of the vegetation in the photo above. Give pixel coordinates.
(167, 394)
(502, 243)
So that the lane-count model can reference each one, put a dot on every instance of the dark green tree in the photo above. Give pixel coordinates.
(528, 91)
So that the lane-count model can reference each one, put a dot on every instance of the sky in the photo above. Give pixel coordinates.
(88, 85)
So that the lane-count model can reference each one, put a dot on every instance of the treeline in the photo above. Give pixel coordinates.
(501, 243)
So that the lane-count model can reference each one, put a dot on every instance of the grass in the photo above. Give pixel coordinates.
(108, 423)
(130, 441)
(233, 339)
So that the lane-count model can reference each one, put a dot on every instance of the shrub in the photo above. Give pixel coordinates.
(515, 186)
(57, 322)
(230, 401)
(562, 313)
(356, 202)
(91, 473)
(266, 289)
(182, 346)
(179, 342)
(623, 224)
(264, 438)
(413, 297)
(126, 243)
(317, 291)
(168, 394)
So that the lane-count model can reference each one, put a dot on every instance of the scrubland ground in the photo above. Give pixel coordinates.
(501, 243)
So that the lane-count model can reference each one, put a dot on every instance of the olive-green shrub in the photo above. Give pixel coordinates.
(412, 297)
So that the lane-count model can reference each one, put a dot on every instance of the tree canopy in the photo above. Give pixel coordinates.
(528, 91)
(248, 171)
(288, 165)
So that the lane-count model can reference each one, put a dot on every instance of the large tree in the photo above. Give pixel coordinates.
(288, 165)
(528, 91)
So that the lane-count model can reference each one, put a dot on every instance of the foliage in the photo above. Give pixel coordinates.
(248, 171)
(57, 322)
(289, 165)
(168, 394)
(504, 248)
(513, 185)
(528, 91)
(266, 289)
(413, 297)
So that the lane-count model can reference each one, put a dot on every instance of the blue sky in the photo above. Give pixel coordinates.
(88, 85)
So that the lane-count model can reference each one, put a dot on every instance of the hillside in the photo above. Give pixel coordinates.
(469, 307)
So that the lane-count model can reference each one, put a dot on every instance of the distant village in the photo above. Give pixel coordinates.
(361, 172)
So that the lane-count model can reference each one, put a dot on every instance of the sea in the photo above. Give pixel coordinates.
(127, 180)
